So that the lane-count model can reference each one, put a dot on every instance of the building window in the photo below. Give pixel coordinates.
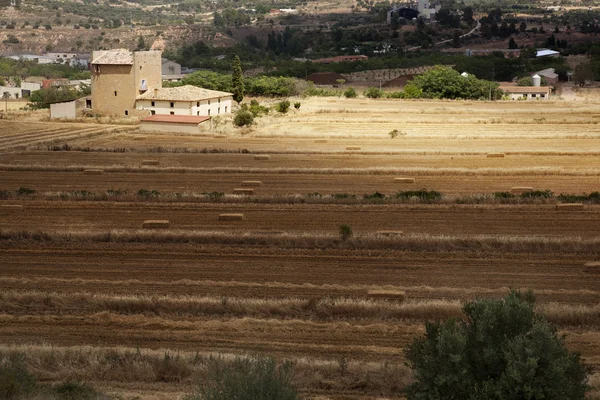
(534, 95)
(219, 100)
(172, 104)
(97, 68)
(542, 95)
(197, 104)
(209, 111)
(172, 113)
(153, 104)
(115, 92)
(225, 109)
(197, 112)
(88, 103)
(219, 110)
(209, 102)
(126, 112)
(152, 112)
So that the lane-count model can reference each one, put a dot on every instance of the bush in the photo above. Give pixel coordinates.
(297, 105)
(24, 191)
(148, 193)
(374, 93)
(422, 194)
(283, 106)
(253, 378)
(395, 95)
(74, 391)
(393, 134)
(502, 349)
(320, 92)
(350, 93)
(256, 109)
(374, 196)
(16, 382)
(537, 194)
(243, 118)
(346, 232)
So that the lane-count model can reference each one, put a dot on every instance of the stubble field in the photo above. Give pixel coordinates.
(87, 294)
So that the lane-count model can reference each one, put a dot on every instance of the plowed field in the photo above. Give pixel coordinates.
(81, 283)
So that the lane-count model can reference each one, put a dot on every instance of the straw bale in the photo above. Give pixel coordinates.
(404, 180)
(251, 183)
(262, 157)
(231, 217)
(156, 224)
(569, 206)
(495, 155)
(220, 136)
(93, 172)
(140, 137)
(150, 162)
(521, 189)
(592, 267)
(320, 140)
(352, 147)
(243, 191)
(398, 295)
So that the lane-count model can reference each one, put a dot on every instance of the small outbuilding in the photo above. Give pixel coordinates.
(527, 92)
(173, 123)
(63, 109)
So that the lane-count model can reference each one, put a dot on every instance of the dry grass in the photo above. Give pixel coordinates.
(231, 217)
(262, 157)
(495, 155)
(569, 206)
(150, 162)
(353, 148)
(93, 172)
(404, 180)
(243, 191)
(251, 183)
(409, 242)
(521, 189)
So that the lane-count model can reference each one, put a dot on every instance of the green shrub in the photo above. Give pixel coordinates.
(346, 232)
(501, 349)
(25, 191)
(148, 193)
(213, 195)
(4, 194)
(116, 192)
(374, 196)
(283, 106)
(374, 93)
(393, 134)
(504, 195)
(395, 95)
(537, 194)
(350, 93)
(593, 198)
(320, 92)
(256, 109)
(253, 378)
(422, 194)
(344, 196)
(297, 105)
(74, 391)
(16, 382)
(243, 118)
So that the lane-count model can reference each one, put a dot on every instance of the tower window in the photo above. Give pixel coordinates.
(153, 104)
(115, 92)
(126, 112)
(172, 104)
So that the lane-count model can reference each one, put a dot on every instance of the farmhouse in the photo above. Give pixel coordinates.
(185, 100)
(63, 109)
(527, 92)
(549, 74)
(119, 76)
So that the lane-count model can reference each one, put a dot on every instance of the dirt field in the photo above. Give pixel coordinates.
(83, 287)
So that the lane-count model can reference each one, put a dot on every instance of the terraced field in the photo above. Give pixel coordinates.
(88, 294)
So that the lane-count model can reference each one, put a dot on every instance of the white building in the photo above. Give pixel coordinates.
(185, 100)
(527, 92)
(63, 109)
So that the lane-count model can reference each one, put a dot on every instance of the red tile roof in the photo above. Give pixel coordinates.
(176, 119)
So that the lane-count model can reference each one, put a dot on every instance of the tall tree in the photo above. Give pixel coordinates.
(237, 80)
(456, 38)
(502, 349)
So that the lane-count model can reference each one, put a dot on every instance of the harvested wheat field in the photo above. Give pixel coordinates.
(126, 260)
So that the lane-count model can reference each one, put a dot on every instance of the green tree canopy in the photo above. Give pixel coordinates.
(503, 350)
(237, 80)
(445, 83)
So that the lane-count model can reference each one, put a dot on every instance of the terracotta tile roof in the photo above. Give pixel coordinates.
(113, 57)
(176, 119)
(182, 93)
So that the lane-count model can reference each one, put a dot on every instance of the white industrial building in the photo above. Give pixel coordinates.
(185, 100)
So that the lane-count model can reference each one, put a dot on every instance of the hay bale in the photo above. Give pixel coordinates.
(521, 189)
(231, 217)
(251, 183)
(150, 162)
(592, 267)
(352, 148)
(495, 155)
(390, 233)
(569, 206)
(320, 140)
(404, 180)
(262, 157)
(139, 137)
(220, 136)
(244, 191)
(93, 172)
(156, 224)
(397, 295)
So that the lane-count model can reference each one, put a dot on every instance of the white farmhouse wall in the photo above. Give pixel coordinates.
(528, 96)
(63, 110)
(210, 107)
(15, 92)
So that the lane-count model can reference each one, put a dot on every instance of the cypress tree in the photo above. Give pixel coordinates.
(238, 80)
